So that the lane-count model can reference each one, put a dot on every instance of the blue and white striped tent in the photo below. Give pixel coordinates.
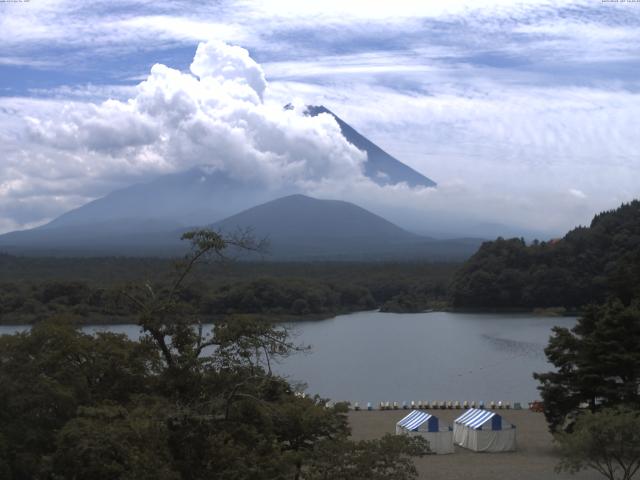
(428, 426)
(484, 431)
(416, 419)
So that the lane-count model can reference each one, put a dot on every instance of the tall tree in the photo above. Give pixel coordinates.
(607, 441)
(597, 363)
(181, 404)
(50, 372)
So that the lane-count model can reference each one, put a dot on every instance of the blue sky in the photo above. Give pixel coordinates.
(524, 112)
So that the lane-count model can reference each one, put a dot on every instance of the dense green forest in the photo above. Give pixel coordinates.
(588, 265)
(170, 407)
(32, 289)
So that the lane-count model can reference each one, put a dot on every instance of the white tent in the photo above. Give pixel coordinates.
(484, 431)
(427, 426)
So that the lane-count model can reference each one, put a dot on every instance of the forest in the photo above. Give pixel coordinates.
(588, 265)
(177, 404)
(33, 288)
(182, 410)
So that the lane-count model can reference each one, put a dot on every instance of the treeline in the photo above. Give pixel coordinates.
(588, 265)
(178, 404)
(287, 290)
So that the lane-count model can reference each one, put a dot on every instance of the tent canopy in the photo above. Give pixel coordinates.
(416, 419)
(476, 418)
(425, 425)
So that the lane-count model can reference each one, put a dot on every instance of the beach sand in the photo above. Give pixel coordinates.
(534, 459)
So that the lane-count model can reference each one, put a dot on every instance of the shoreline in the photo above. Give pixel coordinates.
(535, 458)
(102, 320)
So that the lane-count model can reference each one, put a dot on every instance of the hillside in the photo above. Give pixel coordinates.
(300, 216)
(298, 228)
(303, 228)
(196, 196)
(588, 265)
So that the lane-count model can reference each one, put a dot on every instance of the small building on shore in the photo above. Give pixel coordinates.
(484, 431)
(423, 424)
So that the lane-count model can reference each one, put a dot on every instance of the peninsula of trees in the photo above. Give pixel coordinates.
(588, 265)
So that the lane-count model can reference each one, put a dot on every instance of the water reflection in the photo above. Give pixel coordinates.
(516, 347)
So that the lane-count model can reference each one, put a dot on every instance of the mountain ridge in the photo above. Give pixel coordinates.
(299, 228)
(381, 167)
(299, 211)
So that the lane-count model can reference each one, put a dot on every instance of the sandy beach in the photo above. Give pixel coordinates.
(534, 459)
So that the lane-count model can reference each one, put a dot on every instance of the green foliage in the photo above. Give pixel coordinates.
(387, 458)
(177, 405)
(607, 441)
(587, 266)
(411, 303)
(34, 289)
(109, 442)
(51, 371)
(597, 363)
(280, 296)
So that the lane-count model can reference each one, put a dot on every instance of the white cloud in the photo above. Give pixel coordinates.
(503, 153)
(339, 10)
(577, 193)
(512, 144)
(26, 62)
(175, 120)
(226, 63)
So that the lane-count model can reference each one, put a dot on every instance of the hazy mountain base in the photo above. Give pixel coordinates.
(298, 228)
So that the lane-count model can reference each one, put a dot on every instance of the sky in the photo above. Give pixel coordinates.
(524, 113)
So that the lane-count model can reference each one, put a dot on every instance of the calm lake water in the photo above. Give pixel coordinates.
(374, 356)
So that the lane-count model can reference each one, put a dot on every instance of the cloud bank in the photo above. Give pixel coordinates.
(213, 116)
(523, 112)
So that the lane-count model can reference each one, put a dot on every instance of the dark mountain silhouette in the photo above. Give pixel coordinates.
(300, 227)
(300, 216)
(297, 227)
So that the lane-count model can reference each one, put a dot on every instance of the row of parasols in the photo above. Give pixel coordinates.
(441, 405)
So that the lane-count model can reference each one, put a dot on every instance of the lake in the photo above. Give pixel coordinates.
(375, 356)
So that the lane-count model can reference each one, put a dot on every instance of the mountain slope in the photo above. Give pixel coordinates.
(133, 219)
(380, 167)
(299, 216)
(586, 266)
(197, 196)
(304, 228)
(297, 227)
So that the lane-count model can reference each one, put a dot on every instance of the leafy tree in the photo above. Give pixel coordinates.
(109, 442)
(588, 265)
(182, 403)
(607, 441)
(51, 371)
(387, 458)
(597, 363)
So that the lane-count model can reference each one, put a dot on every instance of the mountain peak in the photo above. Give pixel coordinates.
(381, 167)
(296, 215)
